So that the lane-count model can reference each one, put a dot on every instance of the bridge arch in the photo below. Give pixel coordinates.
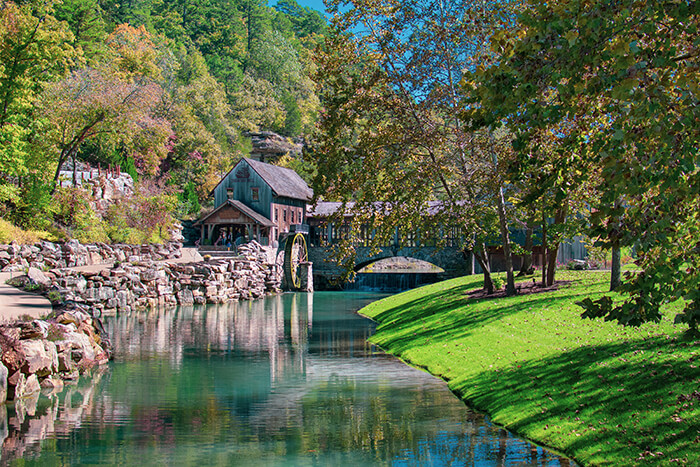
(451, 260)
(417, 264)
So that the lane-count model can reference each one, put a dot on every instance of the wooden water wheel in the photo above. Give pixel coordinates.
(295, 253)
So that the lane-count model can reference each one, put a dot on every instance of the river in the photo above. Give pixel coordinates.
(288, 380)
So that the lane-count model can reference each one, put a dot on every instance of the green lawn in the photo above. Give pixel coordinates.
(596, 391)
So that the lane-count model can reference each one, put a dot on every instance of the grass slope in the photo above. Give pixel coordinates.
(598, 392)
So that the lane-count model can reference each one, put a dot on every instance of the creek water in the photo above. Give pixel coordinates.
(288, 380)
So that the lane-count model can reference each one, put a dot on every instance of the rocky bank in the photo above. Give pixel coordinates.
(44, 353)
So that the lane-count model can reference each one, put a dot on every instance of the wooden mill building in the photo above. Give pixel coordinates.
(256, 201)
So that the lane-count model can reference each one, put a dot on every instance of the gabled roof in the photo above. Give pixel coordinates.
(284, 182)
(258, 218)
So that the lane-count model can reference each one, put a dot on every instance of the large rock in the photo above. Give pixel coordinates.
(40, 356)
(38, 277)
(185, 297)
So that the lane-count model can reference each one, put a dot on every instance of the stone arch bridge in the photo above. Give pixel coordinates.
(450, 259)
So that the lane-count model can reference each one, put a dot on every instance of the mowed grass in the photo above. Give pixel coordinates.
(596, 391)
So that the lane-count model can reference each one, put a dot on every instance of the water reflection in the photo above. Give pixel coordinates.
(287, 380)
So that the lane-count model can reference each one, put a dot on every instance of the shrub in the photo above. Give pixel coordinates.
(498, 283)
(54, 297)
(72, 213)
(10, 232)
(145, 217)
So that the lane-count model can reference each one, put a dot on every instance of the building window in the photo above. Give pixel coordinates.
(256, 194)
(291, 213)
(284, 215)
(229, 193)
(277, 215)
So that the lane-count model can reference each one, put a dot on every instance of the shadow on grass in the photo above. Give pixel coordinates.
(450, 314)
(618, 404)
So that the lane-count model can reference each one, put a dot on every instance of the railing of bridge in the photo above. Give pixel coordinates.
(325, 235)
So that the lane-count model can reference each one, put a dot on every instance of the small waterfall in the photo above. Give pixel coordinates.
(391, 281)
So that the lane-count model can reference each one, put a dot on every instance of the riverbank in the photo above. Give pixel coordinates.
(598, 392)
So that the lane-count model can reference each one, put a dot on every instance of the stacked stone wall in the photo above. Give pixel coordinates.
(142, 285)
(47, 255)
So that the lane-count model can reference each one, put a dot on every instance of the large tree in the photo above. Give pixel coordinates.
(390, 138)
(622, 78)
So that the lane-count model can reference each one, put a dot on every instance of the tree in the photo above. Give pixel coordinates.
(623, 79)
(33, 44)
(391, 140)
(95, 104)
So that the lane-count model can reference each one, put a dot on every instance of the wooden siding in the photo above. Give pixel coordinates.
(241, 181)
(283, 221)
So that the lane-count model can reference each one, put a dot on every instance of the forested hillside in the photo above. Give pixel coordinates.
(163, 89)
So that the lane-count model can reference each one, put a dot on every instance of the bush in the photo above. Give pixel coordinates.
(145, 217)
(498, 283)
(54, 297)
(10, 232)
(73, 214)
(577, 265)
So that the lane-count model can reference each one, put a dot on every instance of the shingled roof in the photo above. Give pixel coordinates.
(258, 218)
(284, 182)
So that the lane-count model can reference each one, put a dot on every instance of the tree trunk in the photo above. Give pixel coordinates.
(616, 262)
(505, 238)
(559, 218)
(552, 263)
(526, 266)
(616, 267)
(544, 248)
(483, 259)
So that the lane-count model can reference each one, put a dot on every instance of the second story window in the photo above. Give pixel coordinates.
(229, 193)
(284, 215)
(256, 194)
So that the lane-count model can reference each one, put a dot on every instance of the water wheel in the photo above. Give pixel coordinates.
(295, 253)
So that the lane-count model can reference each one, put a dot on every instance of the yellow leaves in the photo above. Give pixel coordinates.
(135, 52)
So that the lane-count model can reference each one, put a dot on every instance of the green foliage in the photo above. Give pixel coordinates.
(597, 392)
(390, 134)
(498, 283)
(10, 233)
(188, 201)
(613, 89)
(163, 89)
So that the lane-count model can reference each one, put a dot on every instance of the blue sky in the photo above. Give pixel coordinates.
(315, 4)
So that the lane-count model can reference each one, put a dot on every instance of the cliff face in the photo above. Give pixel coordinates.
(269, 146)
(104, 186)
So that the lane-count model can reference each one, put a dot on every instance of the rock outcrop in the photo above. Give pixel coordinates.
(43, 353)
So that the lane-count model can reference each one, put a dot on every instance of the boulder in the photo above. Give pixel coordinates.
(38, 277)
(185, 297)
(40, 357)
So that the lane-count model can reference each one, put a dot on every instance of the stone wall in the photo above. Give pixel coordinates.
(147, 284)
(46, 255)
(138, 277)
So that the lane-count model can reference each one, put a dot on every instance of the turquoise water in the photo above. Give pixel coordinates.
(289, 380)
